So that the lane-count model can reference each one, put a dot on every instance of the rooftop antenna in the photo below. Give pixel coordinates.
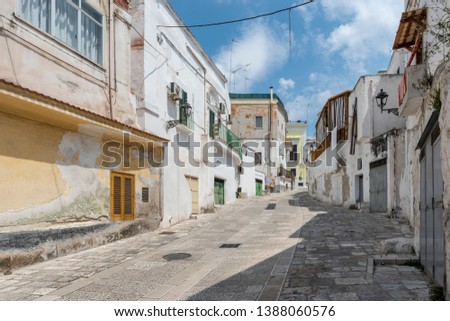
(231, 63)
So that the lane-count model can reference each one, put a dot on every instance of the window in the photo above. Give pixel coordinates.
(74, 22)
(122, 197)
(186, 112)
(145, 195)
(293, 156)
(258, 159)
(259, 122)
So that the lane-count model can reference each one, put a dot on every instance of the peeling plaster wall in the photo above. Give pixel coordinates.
(415, 127)
(328, 183)
(56, 176)
(337, 185)
(444, 124)
(244, 112)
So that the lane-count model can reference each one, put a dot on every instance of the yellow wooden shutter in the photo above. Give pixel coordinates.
(128, 196)
(122, 196)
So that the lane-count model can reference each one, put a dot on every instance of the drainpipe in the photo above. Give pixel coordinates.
(394, 200)
(270, 129)
(110, 36)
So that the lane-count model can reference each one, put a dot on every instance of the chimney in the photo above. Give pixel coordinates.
(271, 94)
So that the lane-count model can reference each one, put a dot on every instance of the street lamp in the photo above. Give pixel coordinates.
(381, 99)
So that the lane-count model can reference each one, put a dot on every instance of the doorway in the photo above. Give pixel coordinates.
(193, 186)
(378, 186)
(219, 191)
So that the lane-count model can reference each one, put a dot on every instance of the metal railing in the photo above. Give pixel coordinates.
(227, 137)
(186, 119)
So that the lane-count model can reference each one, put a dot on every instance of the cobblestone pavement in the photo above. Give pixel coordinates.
(301, 250)
(331, 260)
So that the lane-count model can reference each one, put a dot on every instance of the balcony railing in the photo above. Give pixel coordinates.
(227, 137)
(186, 119)
(334, 115)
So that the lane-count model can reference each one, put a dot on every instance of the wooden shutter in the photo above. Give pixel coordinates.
(117, 192)
(128, 196)
(122, 197)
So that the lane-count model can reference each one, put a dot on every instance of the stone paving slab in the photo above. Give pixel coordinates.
(335, 259)
(302, 250)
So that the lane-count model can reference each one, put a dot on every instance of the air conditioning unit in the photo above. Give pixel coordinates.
(174, 91)
(222, 108)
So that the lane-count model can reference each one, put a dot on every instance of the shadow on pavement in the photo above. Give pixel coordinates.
(329, 262)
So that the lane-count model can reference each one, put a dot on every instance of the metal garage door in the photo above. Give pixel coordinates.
(432, 250)
(193, 185)
(378, 186)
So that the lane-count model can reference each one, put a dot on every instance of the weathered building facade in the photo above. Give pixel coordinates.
(68, 118)
(421, 57)
(399, 164)
(182, 96)
(260, 120)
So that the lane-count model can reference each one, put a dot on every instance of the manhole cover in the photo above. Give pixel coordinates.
(167, 233)
(230, 246)
(176, 256)
(271, 206)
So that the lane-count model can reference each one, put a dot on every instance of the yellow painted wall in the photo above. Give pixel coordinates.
(295, 132)
(29, 174)
(49, 174)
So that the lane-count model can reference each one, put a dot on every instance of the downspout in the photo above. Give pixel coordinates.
(110, 23)
(270, 129)
(203, 68)
(395, 200)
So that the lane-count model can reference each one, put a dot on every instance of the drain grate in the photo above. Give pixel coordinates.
(176, 256)
(230, 245)
(167, 233)
(271, 206)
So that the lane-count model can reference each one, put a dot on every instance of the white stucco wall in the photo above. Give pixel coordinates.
(247, 178)
(173, 55)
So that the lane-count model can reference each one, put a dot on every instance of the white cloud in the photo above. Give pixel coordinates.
(285, 86)
(260, 49)
(367, 32)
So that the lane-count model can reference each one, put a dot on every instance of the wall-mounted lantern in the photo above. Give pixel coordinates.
(381, 99)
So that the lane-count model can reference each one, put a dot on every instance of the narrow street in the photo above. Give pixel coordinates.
(300, 250)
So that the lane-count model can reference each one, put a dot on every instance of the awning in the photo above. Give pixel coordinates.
(411, 25)
(32, 105)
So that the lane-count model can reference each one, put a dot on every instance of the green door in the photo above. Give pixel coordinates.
(259, 188)
(219, 192)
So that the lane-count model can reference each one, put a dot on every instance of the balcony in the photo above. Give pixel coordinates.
(334, 115)
(186, 118)
(410, 93)
(226, 136)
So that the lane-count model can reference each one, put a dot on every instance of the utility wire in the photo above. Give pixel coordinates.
(239, 20)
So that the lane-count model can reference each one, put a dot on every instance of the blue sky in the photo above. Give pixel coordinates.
(333, 43)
